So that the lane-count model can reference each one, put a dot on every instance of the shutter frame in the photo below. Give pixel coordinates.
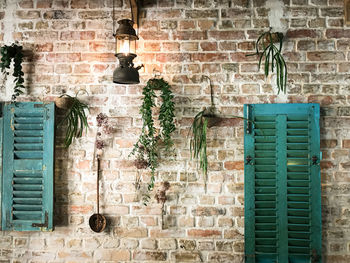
(1, 146)
(249, 185)
(29, 175)
(286, 202)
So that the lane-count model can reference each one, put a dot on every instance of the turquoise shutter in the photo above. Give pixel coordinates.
(282, 185)
(1, 140)
(28, 149)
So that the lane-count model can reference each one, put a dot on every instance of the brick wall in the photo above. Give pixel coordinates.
(69, 46)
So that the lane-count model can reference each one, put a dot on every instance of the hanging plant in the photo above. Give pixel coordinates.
(8, 53)
(146, 148)
(268, 48)
(203, 120)
(75, 119)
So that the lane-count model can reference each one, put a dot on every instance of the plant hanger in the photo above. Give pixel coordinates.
(146, 148)
(203, 120)
(75, 118)
(271, 56)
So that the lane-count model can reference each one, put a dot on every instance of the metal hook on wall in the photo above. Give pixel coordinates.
(156, 73)
(211, 90)
(134, 6)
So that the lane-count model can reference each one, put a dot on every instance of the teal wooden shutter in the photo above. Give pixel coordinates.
(28, 149)
(282, 185)
(1, 140)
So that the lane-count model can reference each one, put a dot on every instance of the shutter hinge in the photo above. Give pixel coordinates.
(315, 258)
(249, 160)
(9, 224)
(45, 224)
(314, 160)
(249, 124)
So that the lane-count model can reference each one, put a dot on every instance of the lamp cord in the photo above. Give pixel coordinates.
(113, 17)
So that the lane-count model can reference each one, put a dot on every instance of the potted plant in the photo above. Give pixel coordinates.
(8, 53)
(206, 118)
(146, 148)
(75, 118)
(268, 48)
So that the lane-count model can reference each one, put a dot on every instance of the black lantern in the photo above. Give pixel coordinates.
(126, 51)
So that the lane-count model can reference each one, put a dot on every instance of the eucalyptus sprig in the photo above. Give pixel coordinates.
(166, 114)
(271, 55)
(146, 148)
(8, 53)
(75, 119)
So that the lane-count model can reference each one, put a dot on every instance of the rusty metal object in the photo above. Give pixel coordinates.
(97, 221)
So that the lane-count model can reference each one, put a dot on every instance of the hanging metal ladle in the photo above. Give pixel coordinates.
(97, 221)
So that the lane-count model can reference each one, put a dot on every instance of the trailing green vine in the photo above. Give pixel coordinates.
(8, 53)
(146, 148)
(166, 114)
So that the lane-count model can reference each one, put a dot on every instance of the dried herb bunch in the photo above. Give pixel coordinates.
(145, 149)
(161, 197)
(161, 192)
(8, 53)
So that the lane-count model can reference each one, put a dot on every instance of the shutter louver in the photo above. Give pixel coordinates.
(298, 187)
(28, 151)
(282, 183)
(265, 188)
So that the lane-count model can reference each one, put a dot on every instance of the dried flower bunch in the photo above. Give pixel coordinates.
(161, 192)
(103, 129)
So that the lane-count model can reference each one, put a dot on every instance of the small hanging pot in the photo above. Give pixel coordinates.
(64, 102)
(213, 119)
(97, 221)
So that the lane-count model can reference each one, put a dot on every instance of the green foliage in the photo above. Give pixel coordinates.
(75, 119)
(271, 55)
(198, 131)
(166, 114)
(15, 53)
(145, 149)
(198, 142)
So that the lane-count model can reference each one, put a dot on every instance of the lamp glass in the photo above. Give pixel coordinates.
(125, 45)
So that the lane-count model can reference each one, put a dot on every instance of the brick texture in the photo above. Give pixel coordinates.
(69, 46)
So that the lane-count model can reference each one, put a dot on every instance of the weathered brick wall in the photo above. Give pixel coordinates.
(69, 46)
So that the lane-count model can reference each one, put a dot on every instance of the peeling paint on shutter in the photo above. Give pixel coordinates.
(28, 148)
(282, 183)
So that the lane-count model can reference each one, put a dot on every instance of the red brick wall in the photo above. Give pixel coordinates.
(69, 46)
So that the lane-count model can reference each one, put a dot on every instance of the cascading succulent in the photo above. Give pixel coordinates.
(8, 53)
